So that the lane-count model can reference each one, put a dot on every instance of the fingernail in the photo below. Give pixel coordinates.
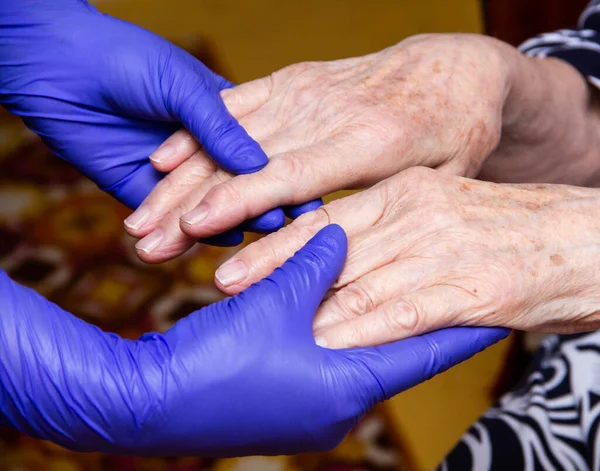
(231, 273)
(321, 342)
(196, 215)
(150, 242)
(138, 218)
(163, 153)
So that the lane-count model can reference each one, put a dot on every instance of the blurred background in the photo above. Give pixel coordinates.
(63, 237)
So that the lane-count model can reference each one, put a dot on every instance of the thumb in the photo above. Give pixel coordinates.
(398, 366)
(193, 98)
(305, 278)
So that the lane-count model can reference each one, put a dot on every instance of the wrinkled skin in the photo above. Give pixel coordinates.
(460, 103)
(181, 189)
(239, 377)
(104, 94)
(432, 100)
(429, 250)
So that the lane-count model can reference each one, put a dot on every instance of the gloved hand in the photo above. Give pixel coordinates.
(104, 94)
(239, 377)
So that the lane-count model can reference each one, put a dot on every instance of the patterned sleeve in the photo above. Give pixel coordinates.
(579, 47)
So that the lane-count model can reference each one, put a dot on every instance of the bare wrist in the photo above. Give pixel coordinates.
(550, 124)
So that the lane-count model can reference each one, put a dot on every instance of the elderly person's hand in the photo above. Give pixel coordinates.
(243, 376)
(442, 101)
(161, 237)
(104, 94)
(428, 250)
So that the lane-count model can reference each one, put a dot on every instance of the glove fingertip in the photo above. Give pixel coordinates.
(266, 223)
(231, 146)
(401, 365)
(314, 268)
(330, 243)
(463, 342)
(225, 140)
(136, 186)
(226, 239)
(298, 210)
(250, 158)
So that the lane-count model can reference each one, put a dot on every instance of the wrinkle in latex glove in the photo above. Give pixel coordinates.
(104, 94)
(239, 377)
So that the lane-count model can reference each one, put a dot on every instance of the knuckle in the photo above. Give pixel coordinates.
(300, 67)
(200, 168)
(287, 169)
(354, 300)
(312, 220)
(266, 247)
(187, 142)
(181, 208)
(420, 174)
(500, 289)
(403, 318)
(263, 255)
(168, 187)
(225, 193)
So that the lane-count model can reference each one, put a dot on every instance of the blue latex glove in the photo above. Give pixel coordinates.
(243, 376)
(104, 94)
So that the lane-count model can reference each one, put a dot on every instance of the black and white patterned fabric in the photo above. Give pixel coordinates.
(551, 422)
(580, 47)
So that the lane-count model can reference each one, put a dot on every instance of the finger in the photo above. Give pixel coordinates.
(354, 213)
(406, 316)
(260, 258)
(227, 239)
(132, 189)
(401, 365)
(305, 278)
(165, 241)
(172, 190)
(268, 222)
(182, 145)
(179, 147)
(248, 97)
(372, 290)
(289, 179)
(190, 181)
(197, 104)
(300, 209)
(372, 249)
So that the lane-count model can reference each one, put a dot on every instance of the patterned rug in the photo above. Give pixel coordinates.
(61, 236)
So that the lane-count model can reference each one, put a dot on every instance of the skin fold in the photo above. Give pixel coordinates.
(429, 250)
(421, 241)
(464, 104)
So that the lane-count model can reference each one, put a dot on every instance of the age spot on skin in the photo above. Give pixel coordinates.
(557, 259)
(533, 206)
(365, 82)
(537, 246)
(464, 187)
